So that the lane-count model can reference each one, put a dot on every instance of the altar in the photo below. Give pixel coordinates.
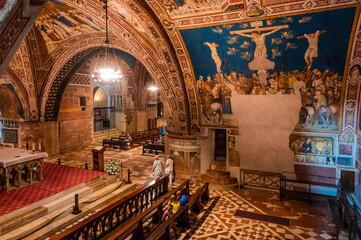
(20, 164)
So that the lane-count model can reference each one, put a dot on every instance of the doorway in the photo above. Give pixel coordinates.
(220, 144)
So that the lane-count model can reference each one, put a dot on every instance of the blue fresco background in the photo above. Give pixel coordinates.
(332, 45)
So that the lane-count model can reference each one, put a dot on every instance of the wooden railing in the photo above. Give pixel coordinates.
(350, 212)
(181, 216)
(135, 225)
(306, 185)
(117, 212)
(260, 179)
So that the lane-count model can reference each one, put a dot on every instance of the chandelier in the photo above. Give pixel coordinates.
(103, 72)
(152, 88)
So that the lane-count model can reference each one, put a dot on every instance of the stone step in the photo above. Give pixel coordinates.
(45, 206)
(218, 167)
(218, 180)
(219, 163)
(218, 173)
(214, 186)
(21, 211)
(55, 221)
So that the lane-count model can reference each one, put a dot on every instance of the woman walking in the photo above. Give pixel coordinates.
(157, 168)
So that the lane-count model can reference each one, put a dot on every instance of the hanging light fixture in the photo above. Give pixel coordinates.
(152, 88)
(103, 72)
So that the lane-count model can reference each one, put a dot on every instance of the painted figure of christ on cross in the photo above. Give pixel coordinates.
(258, 38)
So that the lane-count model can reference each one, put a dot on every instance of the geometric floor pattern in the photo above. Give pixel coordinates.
(217, 220)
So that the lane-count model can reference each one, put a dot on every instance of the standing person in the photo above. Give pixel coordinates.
(128, 140)
(157, 168)
(169, 169)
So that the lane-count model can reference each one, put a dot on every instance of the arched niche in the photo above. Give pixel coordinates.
(100, 99)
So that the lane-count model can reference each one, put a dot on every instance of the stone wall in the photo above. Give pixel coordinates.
(75, 121)
(265, 124)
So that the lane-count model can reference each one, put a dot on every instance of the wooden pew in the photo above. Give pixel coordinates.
(194, 201)
(163, 230)
(181, 216)
(135, 225)
(153, 148)
(117, 212)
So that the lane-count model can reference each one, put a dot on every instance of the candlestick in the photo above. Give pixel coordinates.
(39, 146)
(33, 146)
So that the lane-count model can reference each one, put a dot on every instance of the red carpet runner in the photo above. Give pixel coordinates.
(57, 178)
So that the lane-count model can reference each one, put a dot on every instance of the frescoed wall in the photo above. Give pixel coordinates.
(57, 21)
(10, 106)
(270, 57)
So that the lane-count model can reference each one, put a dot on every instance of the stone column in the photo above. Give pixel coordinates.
(186, 149)
(142, 121)
(45, 132)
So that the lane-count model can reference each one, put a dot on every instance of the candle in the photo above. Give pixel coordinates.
(39, 146)
(33, 146)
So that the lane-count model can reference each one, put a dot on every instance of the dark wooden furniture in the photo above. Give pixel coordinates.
(350, 211)
(261, 179)
(98, 158)
(138, 138)
(115, 142)
(117, 212)
(181, 216)
(150, 148)
(298, 185)
(155, 211)
(348, 178)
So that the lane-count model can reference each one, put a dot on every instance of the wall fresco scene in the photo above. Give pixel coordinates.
(271, 57)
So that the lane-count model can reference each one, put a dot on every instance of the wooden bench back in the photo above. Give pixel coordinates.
(134, 225)
(181, 216)
(116, 212)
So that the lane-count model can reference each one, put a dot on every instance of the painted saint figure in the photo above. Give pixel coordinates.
(215, 57)
(259, 39)
(312, 50)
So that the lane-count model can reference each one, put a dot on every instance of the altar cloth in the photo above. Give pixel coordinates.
(13, 156)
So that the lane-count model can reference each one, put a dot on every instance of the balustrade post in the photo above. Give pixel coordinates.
(129, 177)
(158, 216)
(138, 233)
(184, 220)
(76, 209)
(165, 185)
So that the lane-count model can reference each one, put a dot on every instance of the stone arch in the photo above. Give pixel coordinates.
(63, 61)
(61, 81)
(100, 91)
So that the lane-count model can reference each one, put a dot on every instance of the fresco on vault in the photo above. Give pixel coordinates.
(268, 57)
(187, 8)
(58, 21)
(10, 105)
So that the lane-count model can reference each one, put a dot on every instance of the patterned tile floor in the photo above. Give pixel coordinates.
(217, 219)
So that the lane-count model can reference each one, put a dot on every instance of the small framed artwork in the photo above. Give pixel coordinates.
(320, 160)
(345, 161)
(345, 149)
(310, 159)
(300, 158)
(330, 161)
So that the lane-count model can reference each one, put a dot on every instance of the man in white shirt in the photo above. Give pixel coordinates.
(169, 169)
